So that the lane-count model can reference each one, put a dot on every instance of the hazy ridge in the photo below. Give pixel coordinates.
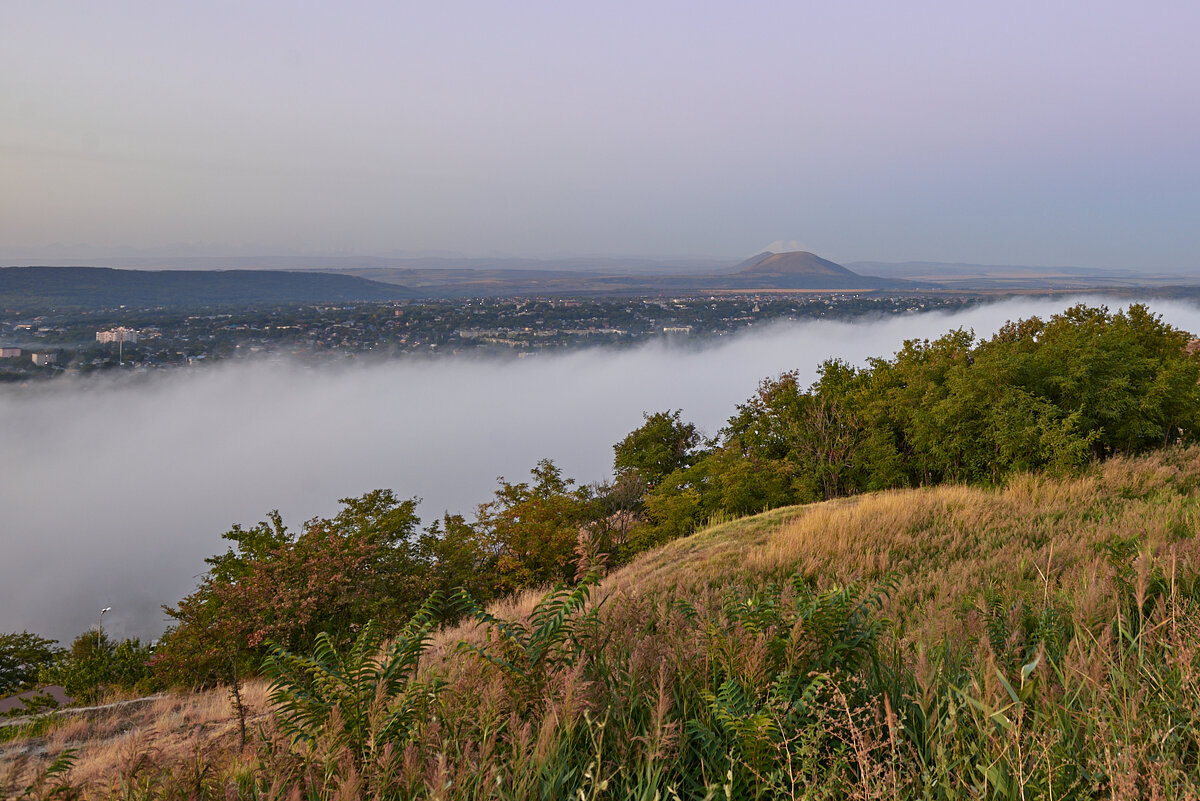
(95, 287)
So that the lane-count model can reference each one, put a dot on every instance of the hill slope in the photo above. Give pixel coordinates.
(1044, 635)
(95, 287)
(798, 262)
(945, 545)
(801, 270)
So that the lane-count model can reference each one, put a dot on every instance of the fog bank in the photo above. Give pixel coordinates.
(114, 490)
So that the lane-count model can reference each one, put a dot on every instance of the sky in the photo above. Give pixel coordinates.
(116, 489)
(1046, 133)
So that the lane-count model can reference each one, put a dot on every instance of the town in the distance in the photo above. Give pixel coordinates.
(57, 321)
(44, 346)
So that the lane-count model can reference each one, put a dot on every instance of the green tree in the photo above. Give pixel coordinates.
(96, 665)
(531, 528)
(22, 657)
(661, 445)
(365, 563)
(722, 482)
(765, 426)
(1125, 375)
(616, 513)
(1051, 395)
(459, 558)
(674, 508)
(249, 546)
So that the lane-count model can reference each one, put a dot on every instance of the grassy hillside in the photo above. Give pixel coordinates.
(1035, 640)
(943, 545)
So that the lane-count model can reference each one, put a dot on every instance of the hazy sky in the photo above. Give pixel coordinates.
(1061, 133)
(116, 490)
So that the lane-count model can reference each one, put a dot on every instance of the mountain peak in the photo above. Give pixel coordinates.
(796, 262)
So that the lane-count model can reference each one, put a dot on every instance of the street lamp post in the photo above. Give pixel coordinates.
(100, 643)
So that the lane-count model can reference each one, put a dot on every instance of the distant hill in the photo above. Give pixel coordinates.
(797, 262)
(95, 287)
(801, 270)
(612, 265)
(769, 271)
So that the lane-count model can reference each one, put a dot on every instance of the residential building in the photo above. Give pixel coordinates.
(117, 335)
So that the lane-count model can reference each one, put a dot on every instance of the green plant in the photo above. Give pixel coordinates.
(22, 655)
(778, 657)
(51, 781)
(366, 700)
(96, 665)
(528, 653)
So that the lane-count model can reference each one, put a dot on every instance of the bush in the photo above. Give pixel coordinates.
(96, 666)
(22, 657)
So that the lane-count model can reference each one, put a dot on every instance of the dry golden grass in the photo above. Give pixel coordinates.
(114, 745)
(1037, 537)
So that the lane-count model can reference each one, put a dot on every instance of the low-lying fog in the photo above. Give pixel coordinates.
(114, 490)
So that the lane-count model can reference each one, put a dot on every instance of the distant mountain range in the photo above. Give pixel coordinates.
(611, 265)
(103, 287)
(767, 271)
(445, 277)
(60, 287)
